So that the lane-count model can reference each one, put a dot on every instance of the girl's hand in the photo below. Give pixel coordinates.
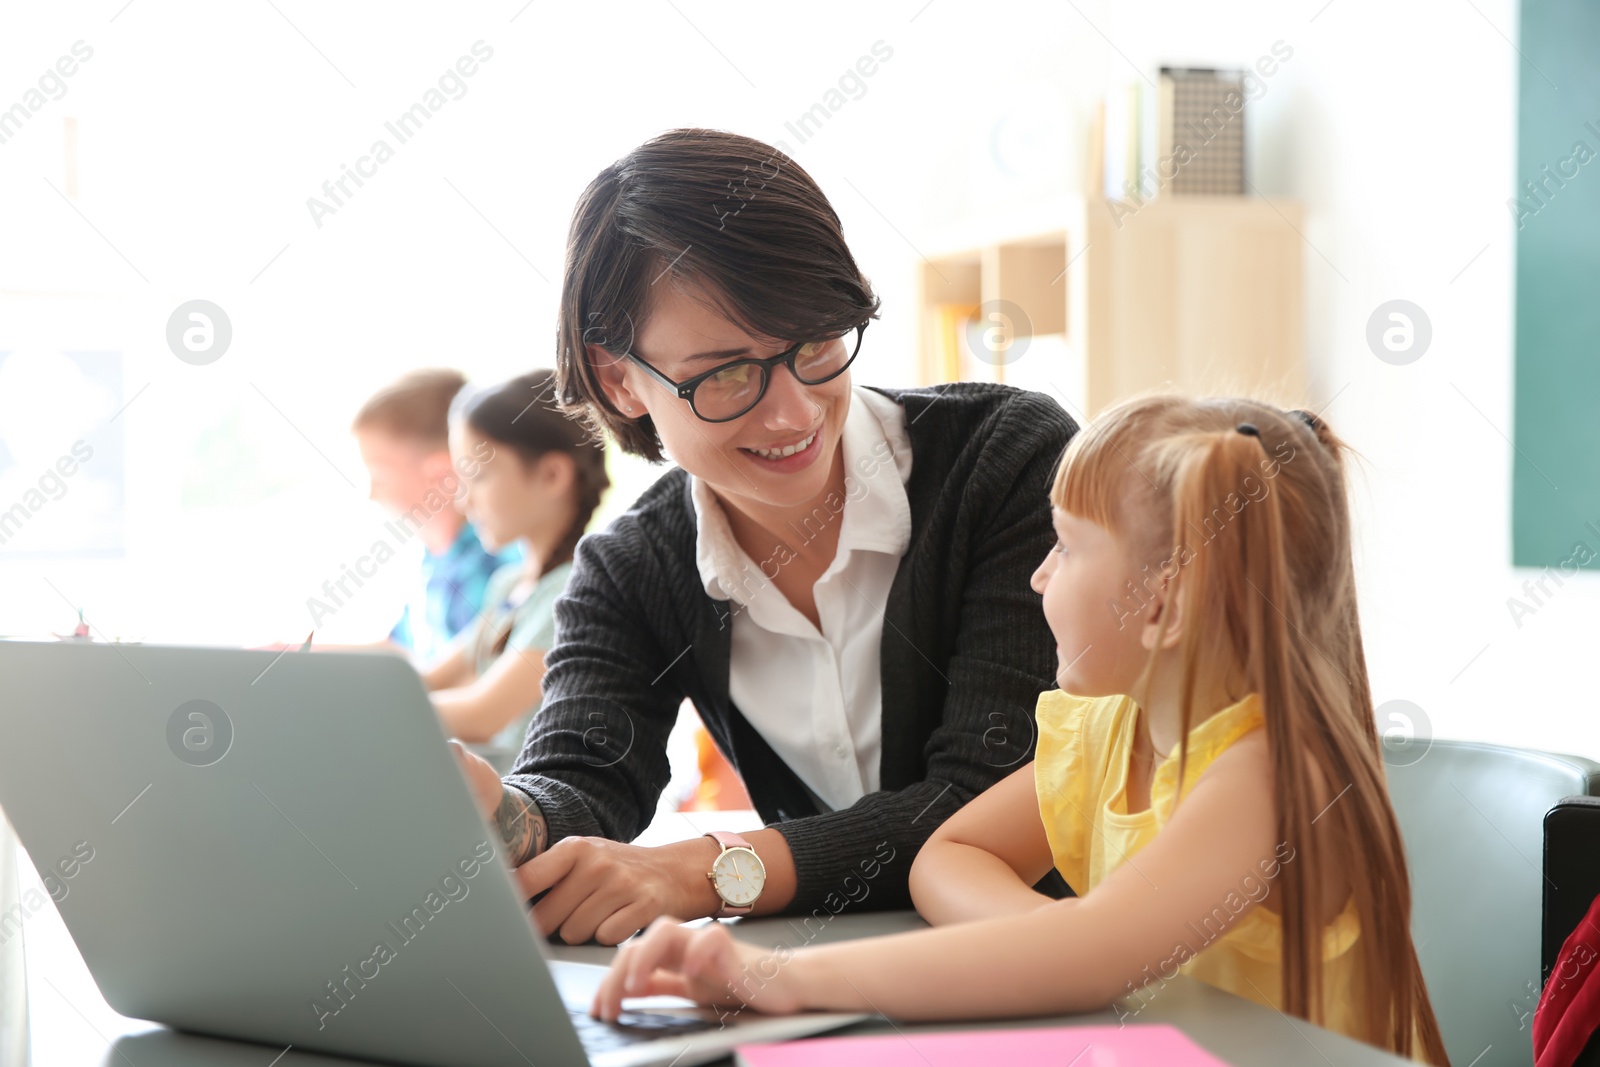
(705, 964)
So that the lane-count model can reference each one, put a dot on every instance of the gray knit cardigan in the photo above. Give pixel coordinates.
(964, 656)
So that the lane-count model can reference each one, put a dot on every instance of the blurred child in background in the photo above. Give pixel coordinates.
(531, 477)
(403, 434)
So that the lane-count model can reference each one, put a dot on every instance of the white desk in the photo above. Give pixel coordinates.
(72, 1026)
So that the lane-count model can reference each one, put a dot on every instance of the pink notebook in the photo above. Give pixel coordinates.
(1151, 1045)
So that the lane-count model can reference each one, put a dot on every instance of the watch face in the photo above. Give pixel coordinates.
(739, 876)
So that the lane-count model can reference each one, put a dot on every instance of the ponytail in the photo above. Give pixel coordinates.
(1257, 522)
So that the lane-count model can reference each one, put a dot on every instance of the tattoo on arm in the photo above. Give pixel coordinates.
(522, 826)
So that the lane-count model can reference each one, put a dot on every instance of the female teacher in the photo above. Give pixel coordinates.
(836, 576)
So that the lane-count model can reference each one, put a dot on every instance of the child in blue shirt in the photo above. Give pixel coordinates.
(403, 433)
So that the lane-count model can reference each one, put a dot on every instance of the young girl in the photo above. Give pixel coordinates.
(1208, 777)
(532, 476)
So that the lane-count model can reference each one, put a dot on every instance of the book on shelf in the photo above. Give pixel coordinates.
(1185, 136)
(949, 360)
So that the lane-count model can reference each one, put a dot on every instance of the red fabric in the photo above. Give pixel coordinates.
(1569, 1007)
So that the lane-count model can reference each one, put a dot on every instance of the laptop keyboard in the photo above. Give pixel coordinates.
(631, 1028)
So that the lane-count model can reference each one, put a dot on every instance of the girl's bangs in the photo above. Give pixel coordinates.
(1092, 479)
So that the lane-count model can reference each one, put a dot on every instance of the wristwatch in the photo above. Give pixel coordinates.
(737, 874)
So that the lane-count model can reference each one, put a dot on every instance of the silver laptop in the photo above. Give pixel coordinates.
(280, 848)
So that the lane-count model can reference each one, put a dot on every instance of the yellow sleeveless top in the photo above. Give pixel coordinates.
(1081, 772)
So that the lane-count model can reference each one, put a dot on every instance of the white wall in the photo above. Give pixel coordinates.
(204, 130)
(1396, 124)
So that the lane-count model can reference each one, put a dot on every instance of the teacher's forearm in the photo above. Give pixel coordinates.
(694, 858)
(773, 849)
(524, 831)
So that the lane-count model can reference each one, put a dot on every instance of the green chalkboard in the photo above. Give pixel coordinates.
(1555, 485)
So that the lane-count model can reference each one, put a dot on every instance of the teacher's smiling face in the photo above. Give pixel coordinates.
(781, 453)
(708, 265)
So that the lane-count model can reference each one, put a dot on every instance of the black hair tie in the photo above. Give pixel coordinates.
(1249, 429)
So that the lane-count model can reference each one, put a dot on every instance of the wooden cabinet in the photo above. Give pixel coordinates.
(1097, 301)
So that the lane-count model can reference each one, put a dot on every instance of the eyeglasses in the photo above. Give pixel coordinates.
(724, 393)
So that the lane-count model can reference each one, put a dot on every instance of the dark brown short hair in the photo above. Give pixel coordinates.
(415, 406)
(729, 213)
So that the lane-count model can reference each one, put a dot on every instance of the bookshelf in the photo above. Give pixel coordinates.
(1094, 301)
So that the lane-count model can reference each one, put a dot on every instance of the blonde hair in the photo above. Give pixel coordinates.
(415, 406)
(1241, 507)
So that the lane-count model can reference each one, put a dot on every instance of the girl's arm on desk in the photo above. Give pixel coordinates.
(985, 859)
(478, 710)
(1067, 955)
(453, 669)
